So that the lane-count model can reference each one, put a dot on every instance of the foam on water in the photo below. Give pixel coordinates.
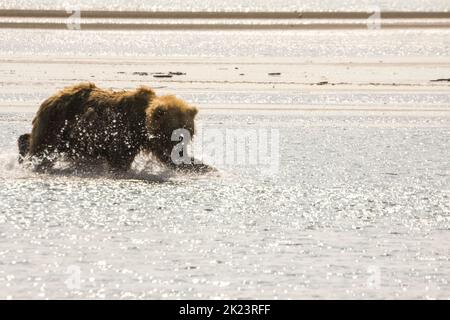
(10, 168)
(143, 169)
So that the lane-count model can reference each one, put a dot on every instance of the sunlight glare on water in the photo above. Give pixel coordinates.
(356, 206)
(348, 199)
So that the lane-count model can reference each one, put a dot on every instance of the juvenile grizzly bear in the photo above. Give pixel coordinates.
(85, 123)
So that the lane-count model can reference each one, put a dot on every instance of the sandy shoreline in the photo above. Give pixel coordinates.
(224, 15)
(236, 85)
(177, 20)
(125, 26)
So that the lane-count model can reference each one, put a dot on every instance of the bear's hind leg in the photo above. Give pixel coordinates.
(41, 160)
(24, 146)
(42, 156)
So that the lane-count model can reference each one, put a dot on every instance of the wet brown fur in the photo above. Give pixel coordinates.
(83, 122)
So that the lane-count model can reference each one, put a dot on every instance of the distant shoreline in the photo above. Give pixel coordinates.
(224, 15)
(204, 20)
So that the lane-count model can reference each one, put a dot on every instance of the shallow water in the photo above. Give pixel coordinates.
(292, 44)
(358, 208)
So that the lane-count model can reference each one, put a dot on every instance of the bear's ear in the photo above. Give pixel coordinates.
(193, 111)
(144, 93)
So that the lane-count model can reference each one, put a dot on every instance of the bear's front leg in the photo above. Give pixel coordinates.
(42, 156)
(43, 161)
(166, 155)
(195, 166)
(119, 162)
(192, 165)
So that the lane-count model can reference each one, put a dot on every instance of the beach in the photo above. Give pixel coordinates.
(208, 20)
(357, 206)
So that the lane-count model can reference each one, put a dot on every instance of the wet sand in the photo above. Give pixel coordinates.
(274, 84)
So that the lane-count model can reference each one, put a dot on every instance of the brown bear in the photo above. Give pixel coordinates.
(83, 123)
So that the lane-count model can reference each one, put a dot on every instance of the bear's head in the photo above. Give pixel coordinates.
(165, 115)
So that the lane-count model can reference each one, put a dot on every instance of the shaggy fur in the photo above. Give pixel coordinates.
(86, 123)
